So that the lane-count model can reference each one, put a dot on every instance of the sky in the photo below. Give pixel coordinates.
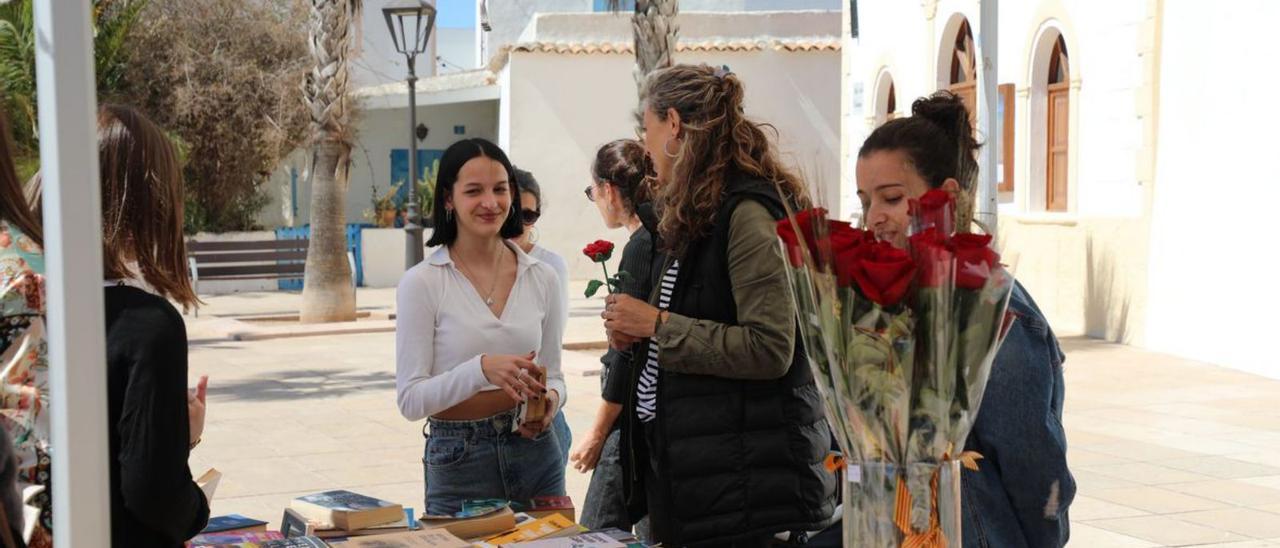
(457, 14)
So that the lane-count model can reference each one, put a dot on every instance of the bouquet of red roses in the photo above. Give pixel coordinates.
(901, 342)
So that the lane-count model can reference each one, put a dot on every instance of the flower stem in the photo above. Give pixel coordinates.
(608, 285)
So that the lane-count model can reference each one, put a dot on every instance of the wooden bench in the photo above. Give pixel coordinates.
(250, 260)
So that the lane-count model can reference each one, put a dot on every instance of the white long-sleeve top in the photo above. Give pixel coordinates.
(443, 328)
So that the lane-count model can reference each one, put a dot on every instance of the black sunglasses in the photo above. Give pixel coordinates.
(590, 197)
(530, 216)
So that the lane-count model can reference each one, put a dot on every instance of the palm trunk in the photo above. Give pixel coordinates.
(327, 293)
(656, 32)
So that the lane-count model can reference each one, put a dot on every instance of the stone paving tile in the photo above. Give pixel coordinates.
(1165, 530)
(1143, 473)
(1229, 491)
(1241, 521)
(1157, 500)
(1220, 467)
(1088, 536)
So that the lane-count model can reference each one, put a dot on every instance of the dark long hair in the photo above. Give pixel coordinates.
(14, 208)
(142, 202)
(457, 155)
(624, 165)
(938, 139)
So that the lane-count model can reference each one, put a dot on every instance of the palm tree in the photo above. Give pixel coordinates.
(328, 294)
(656, 32)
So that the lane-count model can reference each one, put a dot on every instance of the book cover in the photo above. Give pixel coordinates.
(347, 510)
(234, 522)
(294, 524)
(584, 540)
(541, 507)
(408, 524)
(296, 542)
(486, 525)
(436, 538)
(550, 526)
(221, 540)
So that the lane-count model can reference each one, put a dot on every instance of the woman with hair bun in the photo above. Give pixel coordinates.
(1021, 492)
(619, 179)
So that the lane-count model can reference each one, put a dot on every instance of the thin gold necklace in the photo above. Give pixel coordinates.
(488, 299)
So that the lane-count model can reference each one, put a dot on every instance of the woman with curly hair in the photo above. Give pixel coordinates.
(725, 437)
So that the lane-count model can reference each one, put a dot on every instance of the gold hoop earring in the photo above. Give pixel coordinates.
(668, 152)
(533, 238)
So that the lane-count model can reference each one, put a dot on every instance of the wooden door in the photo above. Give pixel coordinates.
(1056, 162)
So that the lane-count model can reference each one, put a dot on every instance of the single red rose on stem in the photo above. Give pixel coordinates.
(884, 273)
(974, 260)
(599, 251)
(934, 209)
(933, 256)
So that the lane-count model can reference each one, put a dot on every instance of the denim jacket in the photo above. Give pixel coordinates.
(1020, 494)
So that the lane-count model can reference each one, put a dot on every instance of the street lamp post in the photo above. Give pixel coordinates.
(410, 23)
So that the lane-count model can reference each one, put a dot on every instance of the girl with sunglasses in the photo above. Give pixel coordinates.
(530, 211)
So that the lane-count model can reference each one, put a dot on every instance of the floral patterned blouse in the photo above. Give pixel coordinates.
(24, 364)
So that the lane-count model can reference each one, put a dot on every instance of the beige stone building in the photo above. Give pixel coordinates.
(1131, 140)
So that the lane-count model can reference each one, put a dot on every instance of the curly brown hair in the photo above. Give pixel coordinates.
(717, 141)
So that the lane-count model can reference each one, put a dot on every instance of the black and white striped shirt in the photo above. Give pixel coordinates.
(647, 389)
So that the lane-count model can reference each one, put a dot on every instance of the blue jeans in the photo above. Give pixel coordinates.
(483, 459)
(563, 437)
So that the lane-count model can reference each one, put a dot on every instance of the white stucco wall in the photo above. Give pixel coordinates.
(380, 131)
(561, 108)
(510, 18)
(1211, 295)
(1085, 267)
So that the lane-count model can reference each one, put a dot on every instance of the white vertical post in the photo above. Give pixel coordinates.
(988, 42)
(73, 256)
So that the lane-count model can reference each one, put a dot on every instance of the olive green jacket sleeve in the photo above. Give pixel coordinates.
(761, 345)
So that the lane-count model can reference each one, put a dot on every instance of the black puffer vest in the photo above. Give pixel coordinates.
(738, 458)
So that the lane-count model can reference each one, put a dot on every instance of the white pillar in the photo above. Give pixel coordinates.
(988, 40)
(73, 256)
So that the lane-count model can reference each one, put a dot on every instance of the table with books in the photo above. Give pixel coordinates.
(345, 519)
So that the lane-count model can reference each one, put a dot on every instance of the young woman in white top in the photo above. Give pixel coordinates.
(473, 322)
(530, 212)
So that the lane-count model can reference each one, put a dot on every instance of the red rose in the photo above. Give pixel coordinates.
(848, 247)
(884, 273)
(934, 209)
(974, 260)
(839, 234)
(599, 251)
(932, 255)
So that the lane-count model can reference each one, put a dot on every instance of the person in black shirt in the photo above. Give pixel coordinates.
(618, 187)
(154, 420)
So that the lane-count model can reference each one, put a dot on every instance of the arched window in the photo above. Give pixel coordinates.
(1058, 90)
(886, 99)
(964, 70)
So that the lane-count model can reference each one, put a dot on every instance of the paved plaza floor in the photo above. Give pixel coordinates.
(1166, 451)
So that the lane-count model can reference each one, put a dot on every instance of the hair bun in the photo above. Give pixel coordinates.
(947, 111)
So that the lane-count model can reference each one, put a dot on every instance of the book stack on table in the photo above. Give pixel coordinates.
(342, 518)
